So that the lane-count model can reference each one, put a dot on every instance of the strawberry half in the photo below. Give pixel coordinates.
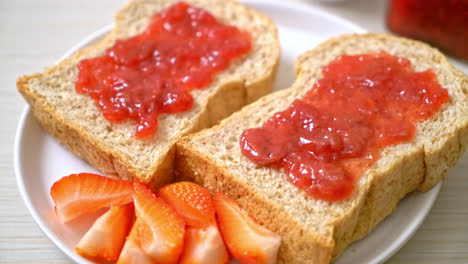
(105, 239)
(132, 252)
(84, 193)
(204, 245)
(161, 232)
(247, 241)
(203, 242)
(191, 201)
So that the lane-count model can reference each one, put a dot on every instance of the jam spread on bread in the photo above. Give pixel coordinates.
(138, 78)
(327, 139)
(441, 23)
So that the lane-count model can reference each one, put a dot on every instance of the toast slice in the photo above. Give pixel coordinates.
(76, 122)
(317, 231)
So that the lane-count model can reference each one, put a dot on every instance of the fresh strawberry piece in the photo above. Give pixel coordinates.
(132, 252)
(84, 193)
(191, 201)
(105, 239)
(203, 242)
(204, 245)
(161, 234)
(247, 241)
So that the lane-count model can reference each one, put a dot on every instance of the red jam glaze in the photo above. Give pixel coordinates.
(138, 78)
(327, 139)
(443, 23)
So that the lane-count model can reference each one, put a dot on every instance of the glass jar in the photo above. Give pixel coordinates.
(442, 23)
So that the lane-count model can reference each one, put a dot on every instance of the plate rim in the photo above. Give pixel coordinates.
(17, 155)
(295, 7)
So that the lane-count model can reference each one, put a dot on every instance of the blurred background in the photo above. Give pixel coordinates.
(34, 34)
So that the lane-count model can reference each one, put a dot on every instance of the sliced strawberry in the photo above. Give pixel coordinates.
(161, 234)
(132, 252)
(203, 242)
(204, 245)
(79, 194)
(247, 241)
(191, 201)
(105, 239)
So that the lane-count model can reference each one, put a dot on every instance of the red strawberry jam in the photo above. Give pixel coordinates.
(327, 139)
(138, 78)
(443, 23)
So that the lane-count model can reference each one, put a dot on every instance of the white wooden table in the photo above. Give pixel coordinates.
(34, 34)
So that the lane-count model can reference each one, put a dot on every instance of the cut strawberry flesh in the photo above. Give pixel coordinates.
(84, 193)
(204, 245)
(203, 242)
(105, 239)
(192, 202)
(161, 232)
(132, 252)
(247, 241)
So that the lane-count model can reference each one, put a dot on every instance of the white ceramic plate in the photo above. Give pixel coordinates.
(40, 160)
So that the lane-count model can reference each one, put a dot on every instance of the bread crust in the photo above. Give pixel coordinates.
(225, 99)
(419, 166)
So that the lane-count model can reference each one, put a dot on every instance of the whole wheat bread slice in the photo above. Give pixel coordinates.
(316, 231)
(110, 147)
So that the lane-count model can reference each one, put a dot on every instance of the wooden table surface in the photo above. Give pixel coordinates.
(34, 34)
